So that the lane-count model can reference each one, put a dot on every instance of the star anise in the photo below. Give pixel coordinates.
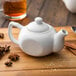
(4, 50)
(1, 35)
(7, 48)
(14, 57)
(8, 63)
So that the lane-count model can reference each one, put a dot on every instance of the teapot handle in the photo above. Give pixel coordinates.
(11, 24)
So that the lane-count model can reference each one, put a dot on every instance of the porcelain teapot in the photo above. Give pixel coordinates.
(70, 5)
(38, 38)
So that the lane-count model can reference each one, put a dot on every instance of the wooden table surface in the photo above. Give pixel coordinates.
(60, 64)
(54, 12)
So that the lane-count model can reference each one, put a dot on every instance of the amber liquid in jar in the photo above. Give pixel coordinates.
(15, 10)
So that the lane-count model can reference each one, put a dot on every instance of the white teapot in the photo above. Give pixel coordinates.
(70, 5)
(38, 38)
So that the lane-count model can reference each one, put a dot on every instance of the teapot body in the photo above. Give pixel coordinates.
(38, 38)
(36, 44)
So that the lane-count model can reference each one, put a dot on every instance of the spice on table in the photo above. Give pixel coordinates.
(1, 51)
(71, 47)
(8, 63)
(1, 35)
(14, 57)
(4, 50)
(7, 48)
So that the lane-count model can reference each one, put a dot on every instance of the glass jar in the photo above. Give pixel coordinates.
(15, 9)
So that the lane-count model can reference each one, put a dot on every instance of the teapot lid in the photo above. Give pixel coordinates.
(38, 25)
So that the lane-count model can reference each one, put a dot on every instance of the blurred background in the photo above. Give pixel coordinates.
(54, 12)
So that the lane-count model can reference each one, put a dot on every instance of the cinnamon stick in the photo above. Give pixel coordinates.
(70, 45)
(73, 51)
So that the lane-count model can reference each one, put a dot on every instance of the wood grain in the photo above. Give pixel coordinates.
(34, 8)
(53, 72)
(28, 3)
(71, 19)
(54, 61)
(61, 63)
(54, 13)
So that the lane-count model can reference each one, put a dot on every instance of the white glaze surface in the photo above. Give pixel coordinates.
(38, 42)
(70, 5)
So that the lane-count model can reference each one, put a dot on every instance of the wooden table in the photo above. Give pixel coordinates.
(60, 64)
(54, 12)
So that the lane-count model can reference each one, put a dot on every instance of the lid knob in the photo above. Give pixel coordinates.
(38, 20)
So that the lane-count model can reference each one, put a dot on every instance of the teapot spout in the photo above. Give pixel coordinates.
(59, 40)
